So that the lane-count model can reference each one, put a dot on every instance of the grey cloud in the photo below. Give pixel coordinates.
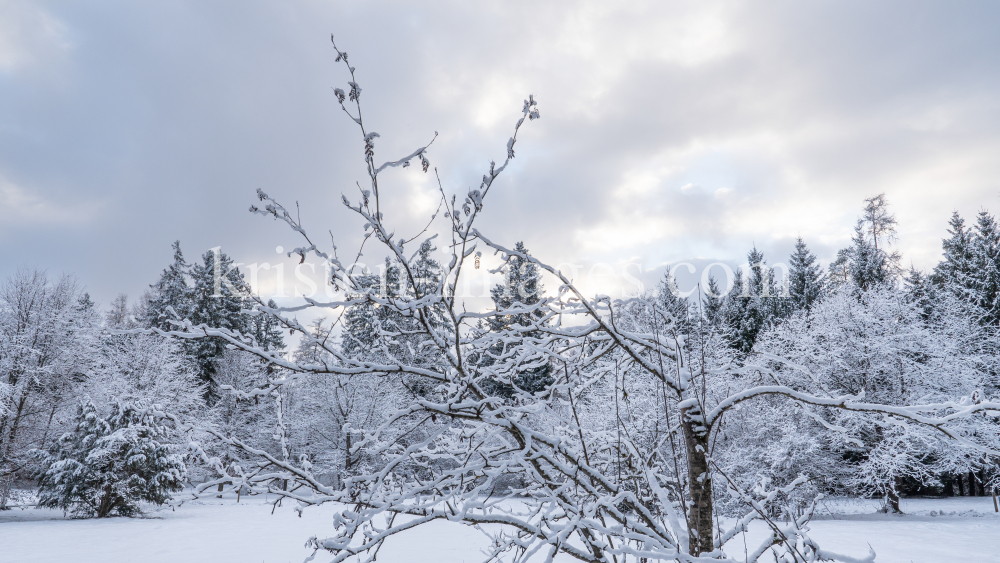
(669, 131)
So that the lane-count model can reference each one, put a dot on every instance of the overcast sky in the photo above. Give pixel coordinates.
(670, 130)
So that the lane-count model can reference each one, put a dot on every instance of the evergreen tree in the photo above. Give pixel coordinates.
(955, 268)
(426, 272)
(218, 298)
(970, 268)
(675, 307)
(522, 286)
(920, 291)
(714, 301)
(753, 305)
(805, 278)
(110, 464)
(374, 333)
(363, 322)
(265, 330)
(982, 286)
(867, 262)
(170, 292)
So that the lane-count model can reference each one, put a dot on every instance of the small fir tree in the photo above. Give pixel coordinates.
(805, 278)
(714, 301)
(170, 292)
(110, 464)
(920, 292)
(522, 286)
(954, 270)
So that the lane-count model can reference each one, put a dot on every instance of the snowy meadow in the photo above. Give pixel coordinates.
(959, 530)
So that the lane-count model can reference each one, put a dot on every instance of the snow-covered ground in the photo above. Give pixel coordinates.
(223, 531)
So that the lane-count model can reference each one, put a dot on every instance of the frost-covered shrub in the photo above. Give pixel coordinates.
(110, 464)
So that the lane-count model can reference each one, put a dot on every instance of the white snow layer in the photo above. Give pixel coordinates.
(955, 530)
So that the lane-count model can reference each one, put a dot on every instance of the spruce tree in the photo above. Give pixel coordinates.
(920, 291)
(753, 304)
(714, 301)
(363, 322)
(983, 286)
(170, 292)
(109, 464)
(219, 296)
(412, 341)
(805, 278)
(522, 286)
(956, 266)
(867, 263)
(265, 330)
(374, 333)
(970, 268)
(676, 308)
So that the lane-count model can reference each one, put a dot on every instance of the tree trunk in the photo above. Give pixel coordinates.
(107, 503)
(892, 499)
(7, 445)
(699, 482)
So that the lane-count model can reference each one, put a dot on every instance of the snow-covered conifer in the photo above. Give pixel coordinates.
(867, 263)
(522, 286)
(219, 295)
(171, 292)
(752, 305)
(805, 278)
(714, 301)
(109, 464)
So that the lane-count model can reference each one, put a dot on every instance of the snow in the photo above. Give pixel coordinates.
(224, 530)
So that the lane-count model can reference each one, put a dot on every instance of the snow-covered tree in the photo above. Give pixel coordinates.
(330, 413)
(878, 345)
(219, 294)
(753, 304)
(615, 458)
(956, 265)
(265, 330)
(982, 286)
(46, 330)
(921, 292)
(171, 297)
(522, 286)
(135, 367)
(867, 263)
(110, 464)
(210, 293)
(805, 278)
(714, 301)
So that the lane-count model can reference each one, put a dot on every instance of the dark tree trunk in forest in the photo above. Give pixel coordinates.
(699, 482)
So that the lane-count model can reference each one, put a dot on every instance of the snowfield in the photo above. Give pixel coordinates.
(955, 530)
